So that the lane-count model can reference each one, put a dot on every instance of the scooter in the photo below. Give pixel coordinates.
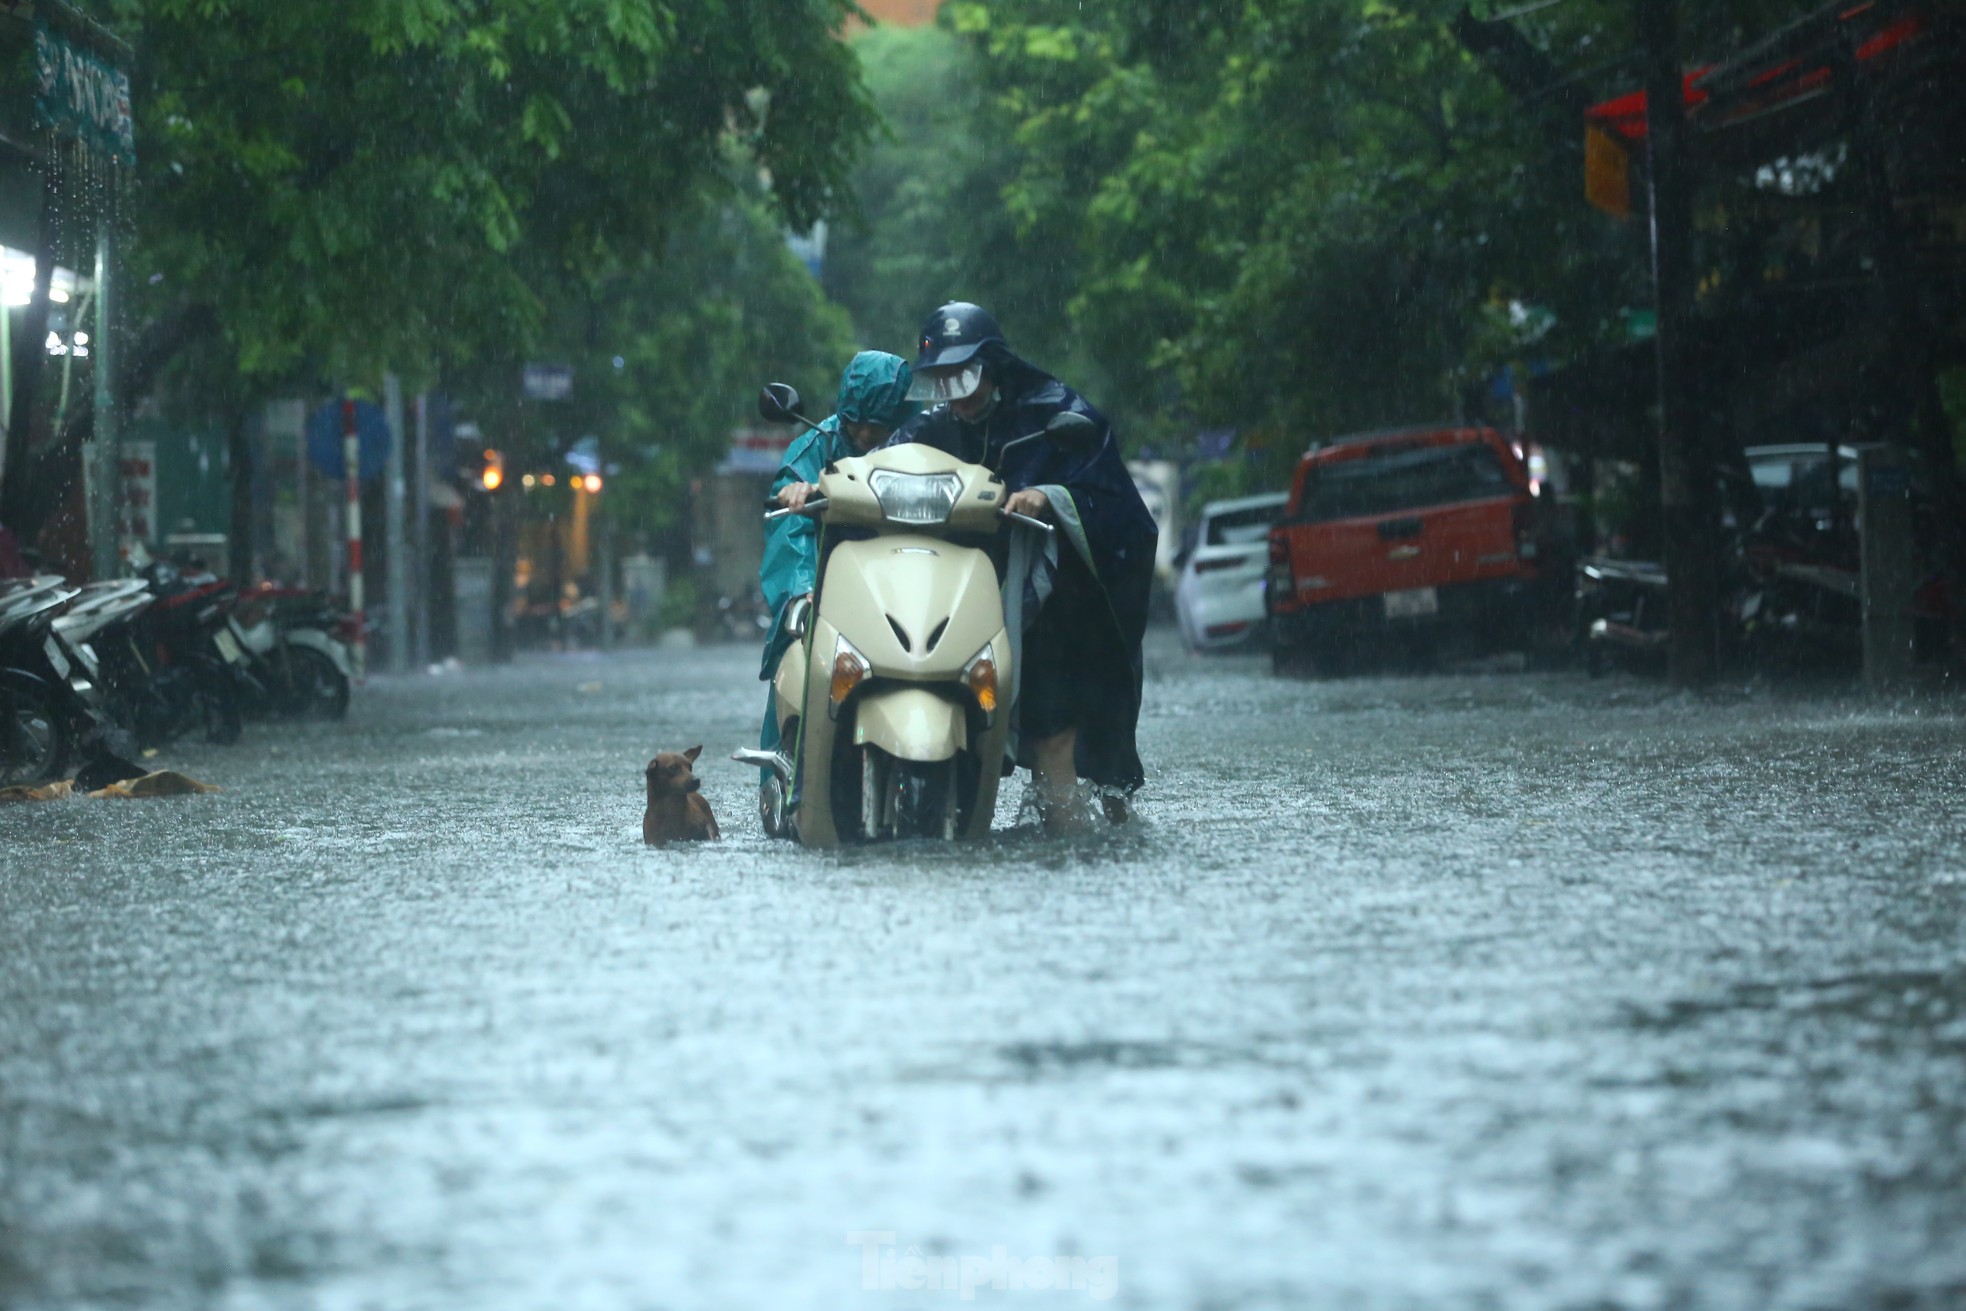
(894, 700)
(176, 666)
(41, 721)
(291, 640)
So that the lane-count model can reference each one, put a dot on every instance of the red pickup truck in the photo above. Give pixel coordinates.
(1421, 536)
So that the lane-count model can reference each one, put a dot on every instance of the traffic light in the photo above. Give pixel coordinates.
(493, 474)
(591, 484)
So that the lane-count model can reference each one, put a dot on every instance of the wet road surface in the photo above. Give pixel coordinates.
(1475, 990)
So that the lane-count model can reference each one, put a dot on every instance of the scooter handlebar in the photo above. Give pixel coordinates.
(817, 503)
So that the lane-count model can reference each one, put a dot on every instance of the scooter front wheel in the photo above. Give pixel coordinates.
(924, 799)
(316, 688)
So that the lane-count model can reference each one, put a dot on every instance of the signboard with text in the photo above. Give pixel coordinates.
(80, 96)
(547, 382)
(756, 450)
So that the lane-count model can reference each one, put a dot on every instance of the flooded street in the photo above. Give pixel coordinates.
(1470, 990)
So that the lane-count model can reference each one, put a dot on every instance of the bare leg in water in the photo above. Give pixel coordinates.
(1058, 785)
(1057, 778)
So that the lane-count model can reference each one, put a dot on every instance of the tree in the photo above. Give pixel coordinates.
(404, 184)
(1299, 217)
(671, 348)
(932, 224)
(338, 189)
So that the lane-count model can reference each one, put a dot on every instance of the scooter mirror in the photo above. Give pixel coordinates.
(1073, 431)
(778, 402)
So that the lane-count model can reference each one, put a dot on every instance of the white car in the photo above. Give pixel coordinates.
(1219, 597)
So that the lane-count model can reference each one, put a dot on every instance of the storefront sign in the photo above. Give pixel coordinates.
(81, 97)
(547, 382)
(756, 450)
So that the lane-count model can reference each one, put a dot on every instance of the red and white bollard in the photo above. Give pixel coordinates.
(351, 462)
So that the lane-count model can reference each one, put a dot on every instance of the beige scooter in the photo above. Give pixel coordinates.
(896, 695)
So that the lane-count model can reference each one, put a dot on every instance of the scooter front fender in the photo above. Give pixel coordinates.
(911, 723)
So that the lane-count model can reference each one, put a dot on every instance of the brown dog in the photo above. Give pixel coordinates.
(676, 810)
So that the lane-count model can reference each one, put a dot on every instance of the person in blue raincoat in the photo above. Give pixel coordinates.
(1079, 681)
(873, 402)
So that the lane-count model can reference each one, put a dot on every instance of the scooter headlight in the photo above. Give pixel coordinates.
(850, 670)
(915, 498)
(980, 677)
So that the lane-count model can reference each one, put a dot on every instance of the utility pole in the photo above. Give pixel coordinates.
(103, 480)
(604, 530)
(1686, 469)
(351, 467)
(420, 529)
(393, 535)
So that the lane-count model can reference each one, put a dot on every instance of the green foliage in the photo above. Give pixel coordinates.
(1300, 210)
(698, 324)
(1295, 217)
(933, 222)
(414, 183)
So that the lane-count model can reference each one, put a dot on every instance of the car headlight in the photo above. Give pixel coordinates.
(915, 498)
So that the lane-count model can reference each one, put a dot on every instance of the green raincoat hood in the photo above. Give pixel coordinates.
(874, 389)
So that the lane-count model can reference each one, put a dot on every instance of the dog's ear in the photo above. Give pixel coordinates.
(691, 754)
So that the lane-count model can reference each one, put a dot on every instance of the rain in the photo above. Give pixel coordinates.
(1178, 655)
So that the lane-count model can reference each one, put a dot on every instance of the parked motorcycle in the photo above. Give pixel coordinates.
(1787, 599)
(42, 723)
(296, 649)
(177, 667)
(100, 614)
(894, 701)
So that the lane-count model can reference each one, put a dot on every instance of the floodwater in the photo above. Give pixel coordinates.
(1480, 990)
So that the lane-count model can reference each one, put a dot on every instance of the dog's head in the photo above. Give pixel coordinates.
(671, 772)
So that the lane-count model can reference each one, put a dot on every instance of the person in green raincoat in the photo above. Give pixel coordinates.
(873, 402)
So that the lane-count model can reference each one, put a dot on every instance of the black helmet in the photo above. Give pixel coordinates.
(956, 341)
(954, 335)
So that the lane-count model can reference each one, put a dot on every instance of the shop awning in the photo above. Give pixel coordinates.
(1793, 65)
